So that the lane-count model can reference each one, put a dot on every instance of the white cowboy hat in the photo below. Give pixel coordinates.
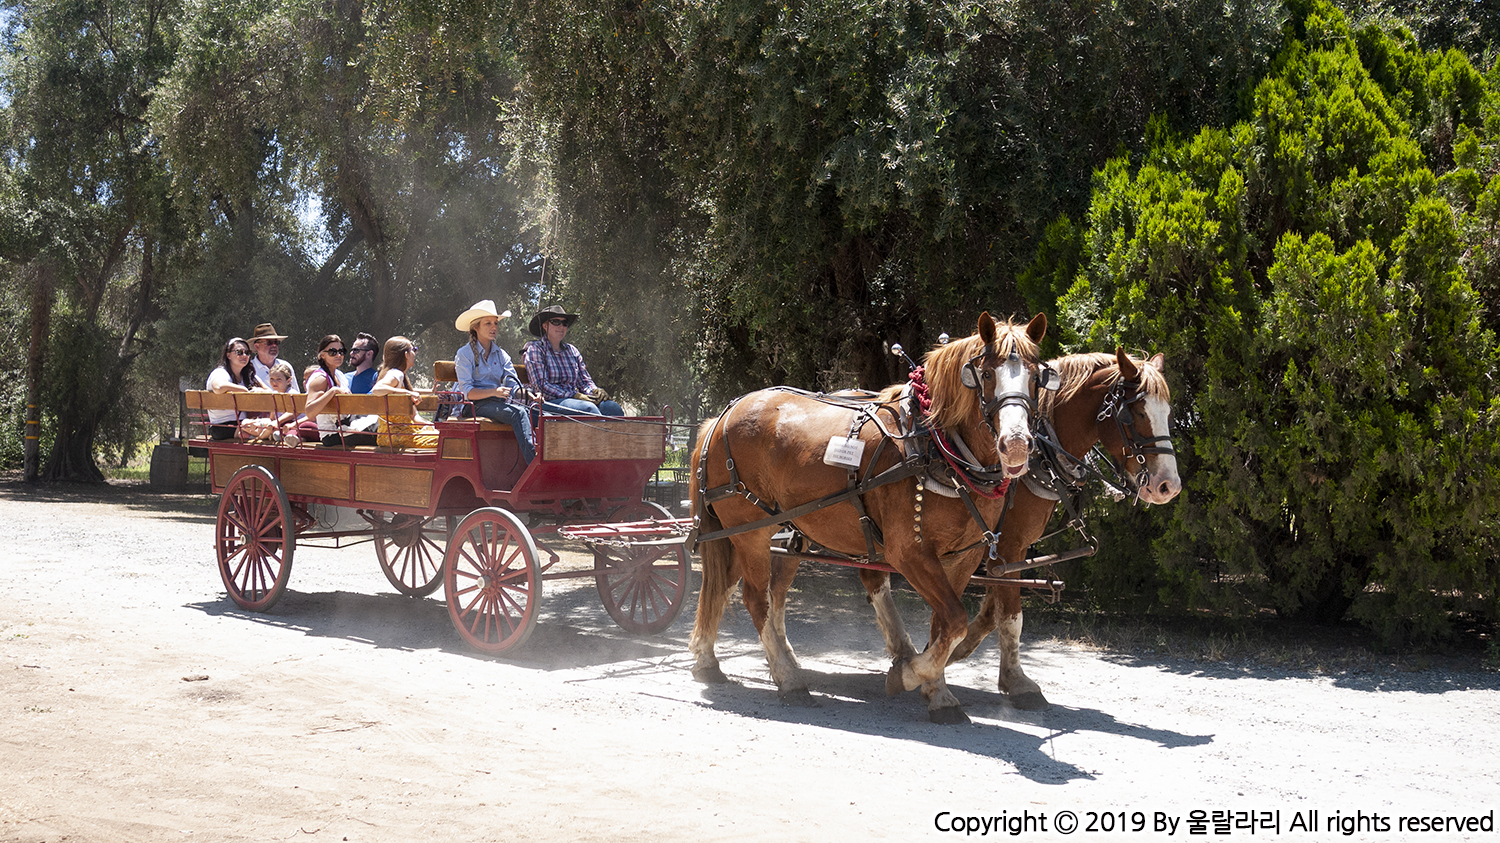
(478, 311)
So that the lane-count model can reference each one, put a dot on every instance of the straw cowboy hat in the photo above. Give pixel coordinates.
(478, 311)
(551, 311)
(265, 331)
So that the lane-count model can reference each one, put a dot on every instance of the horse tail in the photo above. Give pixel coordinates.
(716, 559)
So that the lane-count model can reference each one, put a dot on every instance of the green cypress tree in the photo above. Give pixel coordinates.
(1318, 290)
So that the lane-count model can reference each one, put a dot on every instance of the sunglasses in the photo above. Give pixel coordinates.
(338, 351)
(413, 349)
(243, 352)
(269, 342)
(562, 322)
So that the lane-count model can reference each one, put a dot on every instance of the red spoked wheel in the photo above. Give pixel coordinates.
(642, 586)
(492, 580)
(410, 549)
(255, 537)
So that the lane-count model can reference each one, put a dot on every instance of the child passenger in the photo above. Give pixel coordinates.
(286, 423)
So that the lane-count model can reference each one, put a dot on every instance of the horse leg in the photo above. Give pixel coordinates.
(1024, 693)
(925, 671)
(878, 591)
(720, 573)
(760, 583)
(982, 625)
(794, 690)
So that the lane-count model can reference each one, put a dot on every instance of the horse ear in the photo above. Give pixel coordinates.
(987, 328)
(1037, 327)
(1128, 370)
(1159, 362)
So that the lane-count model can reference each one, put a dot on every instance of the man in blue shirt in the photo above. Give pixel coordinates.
(363, 354)
(487, 378)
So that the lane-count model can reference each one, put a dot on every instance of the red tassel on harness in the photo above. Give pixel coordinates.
(924, 401)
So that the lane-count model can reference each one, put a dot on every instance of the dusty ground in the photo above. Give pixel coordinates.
(137, 703)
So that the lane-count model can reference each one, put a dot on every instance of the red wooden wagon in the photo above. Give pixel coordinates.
(448, 516)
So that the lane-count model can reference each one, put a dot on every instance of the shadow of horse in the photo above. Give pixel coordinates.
(855, 702)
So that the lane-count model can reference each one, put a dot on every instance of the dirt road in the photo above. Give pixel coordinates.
(137, 703)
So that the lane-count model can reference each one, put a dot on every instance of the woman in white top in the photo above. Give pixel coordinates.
(325, 382)
(235, 374)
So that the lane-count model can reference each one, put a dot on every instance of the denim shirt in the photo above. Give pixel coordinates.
(478, 373)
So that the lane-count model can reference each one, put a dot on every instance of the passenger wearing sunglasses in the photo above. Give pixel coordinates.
(327, 381)
(555, 367)
(362, 358)
(235, 374)
(267, 345)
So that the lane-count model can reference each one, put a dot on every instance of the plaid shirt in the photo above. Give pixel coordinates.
(558, 374)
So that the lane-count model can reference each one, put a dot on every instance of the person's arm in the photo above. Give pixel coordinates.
(319, 393)
(219, 381)
(586, 384)
(391, 385)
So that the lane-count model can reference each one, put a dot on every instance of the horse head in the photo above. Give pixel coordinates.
(990, 379)
(1135, 428)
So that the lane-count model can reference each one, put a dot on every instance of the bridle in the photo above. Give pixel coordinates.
(990, 406)
(1138, 446)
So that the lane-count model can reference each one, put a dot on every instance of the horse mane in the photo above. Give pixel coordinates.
(1076, 370)
(952, 402)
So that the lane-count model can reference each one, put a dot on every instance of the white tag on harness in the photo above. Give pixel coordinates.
(844, 453)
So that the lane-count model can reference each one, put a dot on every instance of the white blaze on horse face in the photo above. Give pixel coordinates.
(1162, 482)
(1013, 422)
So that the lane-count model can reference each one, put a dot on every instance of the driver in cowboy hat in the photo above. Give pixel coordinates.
(556, 368)
(487, 378)
(266, 344)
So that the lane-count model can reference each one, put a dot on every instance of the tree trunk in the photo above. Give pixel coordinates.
(36, 361)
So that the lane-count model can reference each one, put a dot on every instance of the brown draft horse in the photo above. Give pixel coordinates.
(777, 441)
(1092, 406)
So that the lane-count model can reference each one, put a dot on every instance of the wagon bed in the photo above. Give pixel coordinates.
(465, 515)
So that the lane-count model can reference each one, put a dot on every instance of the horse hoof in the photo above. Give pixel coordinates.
(711, 675)
(948, 716)
(893, 683)
(1029, 701)
(798, 698)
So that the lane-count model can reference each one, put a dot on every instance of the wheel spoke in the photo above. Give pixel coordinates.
(492, 580)
(255, 538)
(642, 587)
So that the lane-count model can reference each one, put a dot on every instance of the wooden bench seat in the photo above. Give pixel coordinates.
(201, 401)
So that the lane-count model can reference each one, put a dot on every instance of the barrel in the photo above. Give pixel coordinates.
(169, 468)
